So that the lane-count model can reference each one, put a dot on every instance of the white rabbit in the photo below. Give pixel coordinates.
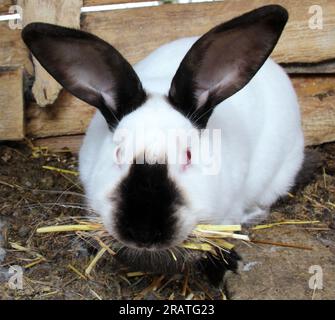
(223, 80)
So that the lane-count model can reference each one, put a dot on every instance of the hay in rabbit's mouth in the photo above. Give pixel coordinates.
(206, 241)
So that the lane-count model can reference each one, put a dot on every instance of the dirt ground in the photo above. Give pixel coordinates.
(53, 266)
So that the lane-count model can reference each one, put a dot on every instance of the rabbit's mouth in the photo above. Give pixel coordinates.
(167, 261)
(174, 261)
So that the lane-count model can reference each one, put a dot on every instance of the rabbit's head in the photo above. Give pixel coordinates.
(153, 179)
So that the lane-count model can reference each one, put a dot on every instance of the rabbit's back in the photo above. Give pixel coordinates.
(262, 141)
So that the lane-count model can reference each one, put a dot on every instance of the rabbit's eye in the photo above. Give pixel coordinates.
(118, 155)
(188, 156)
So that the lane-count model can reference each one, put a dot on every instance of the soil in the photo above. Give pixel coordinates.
(53, 266)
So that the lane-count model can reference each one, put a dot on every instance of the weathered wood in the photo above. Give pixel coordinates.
(60, 144)
(326, 66)
(4, 6)
(70, 116)
(317, 98)
(13, 52)
(67, 116)
(148, 28)
(61, 12)
(11, 104)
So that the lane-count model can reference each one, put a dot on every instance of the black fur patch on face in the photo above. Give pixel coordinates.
(146, 201)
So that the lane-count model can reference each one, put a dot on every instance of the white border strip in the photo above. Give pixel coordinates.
(8, 17)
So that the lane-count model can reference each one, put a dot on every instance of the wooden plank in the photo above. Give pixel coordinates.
(61, 12)
(11, 104)
(67, 116)
(70, 116)
(4, 6)
(326, 66)
(60, 144)
(13, 52)
(149, 28)
(317, 98)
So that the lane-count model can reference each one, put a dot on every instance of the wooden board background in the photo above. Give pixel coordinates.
(168, 22)
(157, 25)
(71, 116)
(11, 104)
(4, 6)
(317, 99)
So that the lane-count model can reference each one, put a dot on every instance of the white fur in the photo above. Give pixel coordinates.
(262, 145)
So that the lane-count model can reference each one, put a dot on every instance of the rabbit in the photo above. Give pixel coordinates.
(223, 81)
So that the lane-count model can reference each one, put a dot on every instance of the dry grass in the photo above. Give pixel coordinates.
(208, 238)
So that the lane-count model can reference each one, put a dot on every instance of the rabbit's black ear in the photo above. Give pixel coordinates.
(224, 60)
(88, 67)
